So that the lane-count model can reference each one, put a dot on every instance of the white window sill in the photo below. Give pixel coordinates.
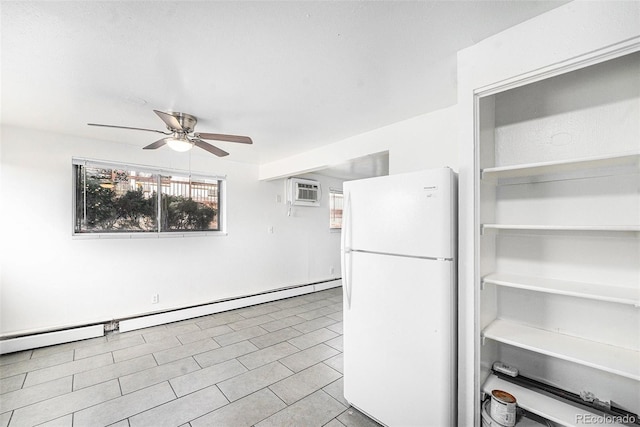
(147, 235)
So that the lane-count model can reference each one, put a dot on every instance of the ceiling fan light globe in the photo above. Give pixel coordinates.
(180, 145)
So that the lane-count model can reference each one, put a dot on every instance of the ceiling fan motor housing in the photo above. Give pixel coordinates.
(187, 121)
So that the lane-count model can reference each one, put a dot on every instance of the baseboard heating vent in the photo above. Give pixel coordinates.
(53, 337)
(45, 339)
(185, 313)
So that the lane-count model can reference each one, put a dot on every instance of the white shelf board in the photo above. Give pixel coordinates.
(610, 293)
(548, 407)
(608, 358)
(571, 228)
(562, 166)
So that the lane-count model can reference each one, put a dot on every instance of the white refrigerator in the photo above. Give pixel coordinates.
(400, 292)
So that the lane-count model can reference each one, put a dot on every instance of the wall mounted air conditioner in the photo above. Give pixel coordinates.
(303, 192)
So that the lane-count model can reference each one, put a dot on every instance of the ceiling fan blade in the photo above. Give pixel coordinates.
(208, 147)
(228, 138)
(169, 119)
(159, 143)
(127, 127)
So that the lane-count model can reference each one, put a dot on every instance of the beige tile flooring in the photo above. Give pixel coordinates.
(273, 364)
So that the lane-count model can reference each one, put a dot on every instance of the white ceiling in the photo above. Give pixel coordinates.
(292, 75)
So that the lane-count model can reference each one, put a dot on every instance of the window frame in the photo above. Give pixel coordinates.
(333, 191)
(222, 201)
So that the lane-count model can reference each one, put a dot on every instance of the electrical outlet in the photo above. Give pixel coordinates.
(270, 229)
(332, 270)
(155, 298)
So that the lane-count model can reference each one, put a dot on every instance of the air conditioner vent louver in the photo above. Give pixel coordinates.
(307, 192)
(303, 192)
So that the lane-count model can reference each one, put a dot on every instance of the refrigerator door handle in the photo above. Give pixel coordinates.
(347, 281)
(346, 250)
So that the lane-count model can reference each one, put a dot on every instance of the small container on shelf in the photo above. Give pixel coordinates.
(523, 418)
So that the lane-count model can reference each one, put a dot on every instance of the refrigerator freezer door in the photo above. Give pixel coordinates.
(399, 333)
(407, 214)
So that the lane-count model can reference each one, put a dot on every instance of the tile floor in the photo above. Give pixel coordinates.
(274, 364)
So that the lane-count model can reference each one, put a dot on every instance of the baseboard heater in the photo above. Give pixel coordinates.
(46, 338)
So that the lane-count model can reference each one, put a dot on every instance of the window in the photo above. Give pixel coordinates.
(335, 209)
(188, 204)
(116, 198)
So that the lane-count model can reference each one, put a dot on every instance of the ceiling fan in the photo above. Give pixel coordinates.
(181, 135)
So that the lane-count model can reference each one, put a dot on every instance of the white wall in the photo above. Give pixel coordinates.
(423, 142)
(49, 279)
